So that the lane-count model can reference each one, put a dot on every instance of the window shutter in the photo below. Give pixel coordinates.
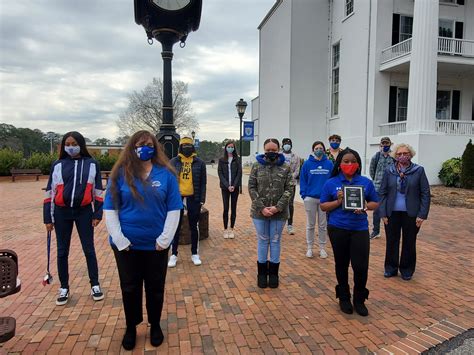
(395, 29)
(455, 107)
(458, 31)
(392, 104)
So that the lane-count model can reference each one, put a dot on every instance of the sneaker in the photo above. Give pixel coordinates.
(374, 235)
(226, 234)
(388, 274)
(196, 260)
(63, 296)
(97, 293)
(309, 253)
(173, 260)
(231, 234)
(290, 229)
(323, 254)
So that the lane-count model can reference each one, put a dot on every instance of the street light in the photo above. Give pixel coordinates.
(193, 134)
(241, 105)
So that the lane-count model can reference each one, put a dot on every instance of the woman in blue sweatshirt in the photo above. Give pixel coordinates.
(314, 173)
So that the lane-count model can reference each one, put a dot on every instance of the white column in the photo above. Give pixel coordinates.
(423, 67)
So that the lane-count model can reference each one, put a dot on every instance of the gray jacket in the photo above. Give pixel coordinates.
(417, 195)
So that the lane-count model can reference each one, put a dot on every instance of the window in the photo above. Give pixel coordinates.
(402, 104)
(335, 80)
(349, 7)
(406, 28)
(446, 28)
(443, 105)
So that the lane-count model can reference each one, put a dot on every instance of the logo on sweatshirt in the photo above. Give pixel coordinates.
(156, 183)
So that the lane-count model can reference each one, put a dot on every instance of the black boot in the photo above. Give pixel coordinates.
(359, 299)
(129, 338)
(156, 335)
(344, 295)
(262, 277)
(273, 274)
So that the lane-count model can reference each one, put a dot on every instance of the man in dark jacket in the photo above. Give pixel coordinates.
(192, 178)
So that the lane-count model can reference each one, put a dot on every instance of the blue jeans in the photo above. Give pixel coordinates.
(376, 219)
(268, 237)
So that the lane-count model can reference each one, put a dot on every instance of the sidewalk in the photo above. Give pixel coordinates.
(216, 308)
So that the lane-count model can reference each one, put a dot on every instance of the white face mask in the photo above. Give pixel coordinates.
(286, 147)
(72, 150)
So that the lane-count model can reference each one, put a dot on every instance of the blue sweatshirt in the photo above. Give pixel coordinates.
(313, 175)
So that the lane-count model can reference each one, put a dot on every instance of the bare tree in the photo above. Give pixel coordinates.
(144, 109)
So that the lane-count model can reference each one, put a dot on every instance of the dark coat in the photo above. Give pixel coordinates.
(198, 170)
(235, 171)
(417, 194)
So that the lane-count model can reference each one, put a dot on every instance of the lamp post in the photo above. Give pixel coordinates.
(241, 105)
(193, 134)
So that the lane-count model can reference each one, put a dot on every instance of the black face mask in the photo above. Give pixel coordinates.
(187, 151)
(271, 156)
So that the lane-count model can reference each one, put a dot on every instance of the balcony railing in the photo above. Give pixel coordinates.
(393, 128)
(446, 45)
(454, 127)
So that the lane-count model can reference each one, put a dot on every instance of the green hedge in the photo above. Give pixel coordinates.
(9, 159)
(467, 169)
(450, 173)
(42, 161)
(106, 162)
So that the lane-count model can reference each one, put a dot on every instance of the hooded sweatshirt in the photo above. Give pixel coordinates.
(314, 174)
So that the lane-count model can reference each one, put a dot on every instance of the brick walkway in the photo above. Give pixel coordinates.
(216, 308)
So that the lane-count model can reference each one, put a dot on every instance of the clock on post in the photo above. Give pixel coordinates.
(169, 22)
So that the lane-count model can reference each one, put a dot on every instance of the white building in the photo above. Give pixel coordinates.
(364, 69)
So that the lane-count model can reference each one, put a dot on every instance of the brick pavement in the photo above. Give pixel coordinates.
(216, 308)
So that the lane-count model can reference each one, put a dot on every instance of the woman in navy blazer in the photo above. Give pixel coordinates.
(404, 205)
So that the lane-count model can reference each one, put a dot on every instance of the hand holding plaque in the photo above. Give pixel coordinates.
(353, 199)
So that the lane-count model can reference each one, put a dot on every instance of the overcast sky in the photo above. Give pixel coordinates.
(69, 65)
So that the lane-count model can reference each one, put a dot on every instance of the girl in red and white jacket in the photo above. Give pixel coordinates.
(74, 195)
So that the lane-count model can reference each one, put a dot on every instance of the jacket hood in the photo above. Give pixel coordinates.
(181, 156)
(261, 159)
(313, 159)
(410, 170)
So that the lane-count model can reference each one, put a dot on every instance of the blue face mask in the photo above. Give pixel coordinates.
(230, 150)
(286, 147)
(145, 152)
(72, 150)
(318, 153)
(334, 145)
(386, 148)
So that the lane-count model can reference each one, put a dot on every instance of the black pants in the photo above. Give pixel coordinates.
(194, 211)
(136, 267)
(401, 225)
(291, 206)
(354, 247)
(64, 220)
(233, 196)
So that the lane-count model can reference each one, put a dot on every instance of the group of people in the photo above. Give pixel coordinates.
(148, 194)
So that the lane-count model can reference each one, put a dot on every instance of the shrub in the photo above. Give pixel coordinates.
(450, 173)
(106, 161)
(9, 159)
(467, 170)
(42, 161)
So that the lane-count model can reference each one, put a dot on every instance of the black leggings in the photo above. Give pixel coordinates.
(233, 196)
(350, 247)
(291, 206)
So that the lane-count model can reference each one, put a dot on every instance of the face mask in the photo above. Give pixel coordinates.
(286, 147)
(187, 151)
(72, 150)
(349, 169)
(404, 159)
(386, 148)
(271, 156)
(230, 150)
(318, 153)
(145, 152)
(334, 145)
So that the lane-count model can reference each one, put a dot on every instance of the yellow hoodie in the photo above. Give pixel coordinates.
(186, 187)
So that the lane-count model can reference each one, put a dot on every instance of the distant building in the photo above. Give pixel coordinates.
(113, 149)
(364, 69)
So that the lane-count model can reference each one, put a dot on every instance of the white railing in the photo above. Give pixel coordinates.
(392, 128)
(454, 127)
(455, 46)
(396, 51)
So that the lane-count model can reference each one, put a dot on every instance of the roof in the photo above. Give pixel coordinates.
(270, 13)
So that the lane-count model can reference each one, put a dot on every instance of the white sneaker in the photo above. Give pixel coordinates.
(231, 235)
(226, 234)
(323, 254)
(290, 229)
(309, 253)
(196, 260)
(63, 296)
(97, 293)
(173, 260)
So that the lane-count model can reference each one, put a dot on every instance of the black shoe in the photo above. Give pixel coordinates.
(262, 276)
(344, 296)
(361, 309)
(374, 235)
(388, 274)
(129, 338)
(359, 299)
(406, 277)
(346, 306)
(273, 280)
(156, 335)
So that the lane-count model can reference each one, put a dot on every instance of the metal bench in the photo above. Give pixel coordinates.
(25, 172)
(9, 285)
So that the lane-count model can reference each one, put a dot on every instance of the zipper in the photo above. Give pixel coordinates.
(82, 168)
(74, 186)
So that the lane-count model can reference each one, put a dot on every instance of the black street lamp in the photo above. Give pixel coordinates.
(193, 134)
(168, 22)
(241, 105)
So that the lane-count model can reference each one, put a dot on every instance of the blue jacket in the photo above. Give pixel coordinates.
(417, 196)
(313, 175)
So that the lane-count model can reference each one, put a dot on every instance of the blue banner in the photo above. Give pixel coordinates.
(196, 143)
(248, 131)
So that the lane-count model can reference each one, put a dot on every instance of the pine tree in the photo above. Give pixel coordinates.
(467, 167)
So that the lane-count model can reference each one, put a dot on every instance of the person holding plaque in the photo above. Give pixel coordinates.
(405, 203)
(346, 197)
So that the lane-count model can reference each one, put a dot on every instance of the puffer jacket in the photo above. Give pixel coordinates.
(270, 184)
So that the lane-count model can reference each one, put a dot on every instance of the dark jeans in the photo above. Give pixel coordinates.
(233, 196)
(401, 225)
(291, 206)
(194, 211)
(350, 247)
(64, 219)
(136, 267)
(376, 221)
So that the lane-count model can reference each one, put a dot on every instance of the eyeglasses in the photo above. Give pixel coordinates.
(403, 153)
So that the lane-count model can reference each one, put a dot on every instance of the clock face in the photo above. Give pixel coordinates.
(171, 5)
